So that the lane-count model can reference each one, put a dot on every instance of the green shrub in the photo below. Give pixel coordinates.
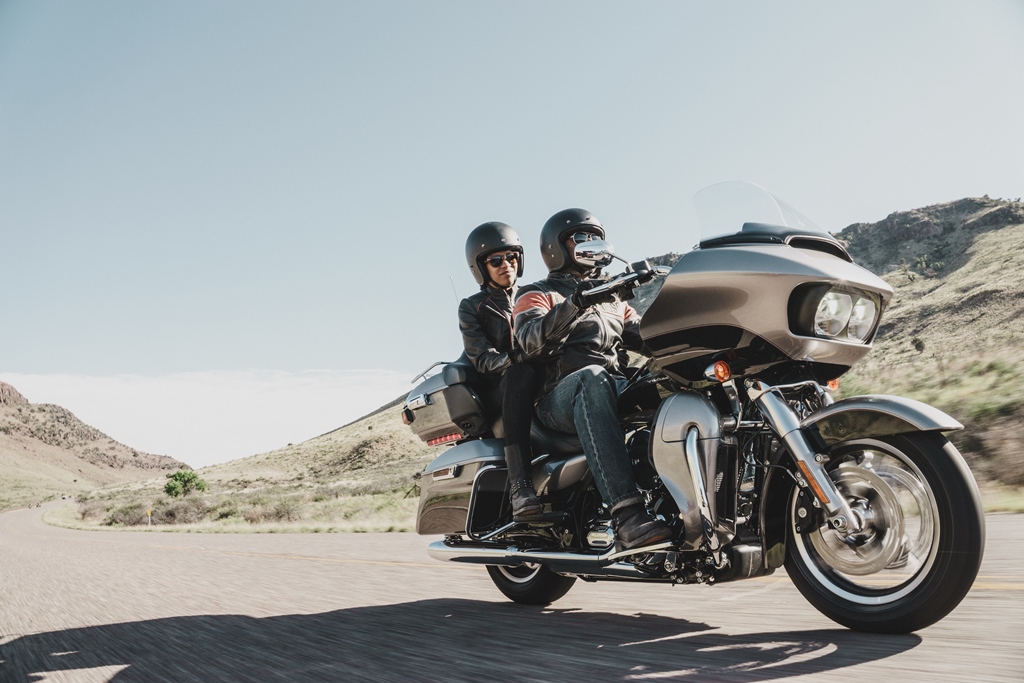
(183, 482)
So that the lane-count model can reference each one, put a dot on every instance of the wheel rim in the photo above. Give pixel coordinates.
(899, 543)
(523, 573)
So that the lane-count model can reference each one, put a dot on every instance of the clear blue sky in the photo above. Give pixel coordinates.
(190, 188)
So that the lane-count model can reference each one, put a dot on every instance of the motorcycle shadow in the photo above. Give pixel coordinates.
(434, 640)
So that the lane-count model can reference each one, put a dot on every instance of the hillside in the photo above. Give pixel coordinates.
(357, 477)
(953, 334)
(45, 451)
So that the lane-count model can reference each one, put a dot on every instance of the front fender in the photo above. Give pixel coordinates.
(852, 418)
(874, 415)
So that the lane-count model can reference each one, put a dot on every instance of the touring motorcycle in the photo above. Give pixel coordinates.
(735, 440)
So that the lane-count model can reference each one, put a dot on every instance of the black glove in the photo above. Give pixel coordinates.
(583, 297)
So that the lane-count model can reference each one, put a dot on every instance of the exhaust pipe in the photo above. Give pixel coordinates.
(560, 561)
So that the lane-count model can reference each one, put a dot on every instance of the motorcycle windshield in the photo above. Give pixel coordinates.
(725, 208)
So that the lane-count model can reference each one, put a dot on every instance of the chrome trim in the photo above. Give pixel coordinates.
(447, 473)
(472, 504)
(418, 401)
(496, 532)
(694, 459)
(423, 374)
(569, 562)
(601, 536)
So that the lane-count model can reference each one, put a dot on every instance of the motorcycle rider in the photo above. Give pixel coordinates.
(577, 335)
(494, 254)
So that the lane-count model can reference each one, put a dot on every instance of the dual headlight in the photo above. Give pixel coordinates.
(834, 312)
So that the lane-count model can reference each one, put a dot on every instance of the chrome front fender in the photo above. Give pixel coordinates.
(875, 415)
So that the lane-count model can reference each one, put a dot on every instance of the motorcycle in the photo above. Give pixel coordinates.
(735, 440)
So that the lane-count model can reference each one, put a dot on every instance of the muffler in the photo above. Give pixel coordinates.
(566, 562)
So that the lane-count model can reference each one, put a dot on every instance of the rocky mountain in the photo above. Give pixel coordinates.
(46, 451)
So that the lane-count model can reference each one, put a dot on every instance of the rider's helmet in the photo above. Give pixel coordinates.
(484, 239)
(558, 228)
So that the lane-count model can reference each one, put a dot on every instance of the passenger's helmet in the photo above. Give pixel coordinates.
(484, 239)
(560, 226)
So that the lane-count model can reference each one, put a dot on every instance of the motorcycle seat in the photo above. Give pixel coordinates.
(556, 444)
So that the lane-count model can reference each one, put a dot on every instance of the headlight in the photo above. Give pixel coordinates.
(833, 314)
(842, 313)
(862, 319)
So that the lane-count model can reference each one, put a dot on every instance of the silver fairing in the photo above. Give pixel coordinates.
(687, 462)
(738, 297)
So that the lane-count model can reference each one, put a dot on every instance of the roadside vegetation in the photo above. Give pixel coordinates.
(358, 478)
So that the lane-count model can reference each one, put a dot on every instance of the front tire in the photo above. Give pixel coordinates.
(922, 544)
(530, 584)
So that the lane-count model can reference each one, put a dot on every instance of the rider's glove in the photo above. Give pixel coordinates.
(583, 297)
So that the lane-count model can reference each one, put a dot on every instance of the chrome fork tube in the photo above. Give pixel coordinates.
(810, 473)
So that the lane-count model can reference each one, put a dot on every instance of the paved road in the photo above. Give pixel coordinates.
(136, 606)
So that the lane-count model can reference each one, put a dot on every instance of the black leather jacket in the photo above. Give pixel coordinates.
(486, 323)
(552, 331)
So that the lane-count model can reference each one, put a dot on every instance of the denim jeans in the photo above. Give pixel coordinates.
(585, 403)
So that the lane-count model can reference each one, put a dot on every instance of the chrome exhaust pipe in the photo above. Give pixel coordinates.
(567, 562)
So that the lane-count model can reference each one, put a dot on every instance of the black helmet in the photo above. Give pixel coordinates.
(558, 228)
(487, 238)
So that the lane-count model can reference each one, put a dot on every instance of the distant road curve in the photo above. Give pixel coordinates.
(87, 606)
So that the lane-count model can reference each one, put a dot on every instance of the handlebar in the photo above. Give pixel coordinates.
(637, 274)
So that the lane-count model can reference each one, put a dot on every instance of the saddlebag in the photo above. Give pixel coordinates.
(447, 488)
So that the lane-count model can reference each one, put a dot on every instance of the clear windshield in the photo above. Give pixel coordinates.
(722, 209)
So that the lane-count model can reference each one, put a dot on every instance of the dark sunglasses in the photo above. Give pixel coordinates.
(496, 260)
(581, 237)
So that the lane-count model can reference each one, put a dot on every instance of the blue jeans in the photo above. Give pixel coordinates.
(584, 403)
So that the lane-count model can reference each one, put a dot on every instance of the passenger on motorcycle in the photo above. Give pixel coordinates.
(577, 337)
(494, 254)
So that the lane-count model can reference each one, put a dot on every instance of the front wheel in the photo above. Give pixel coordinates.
(921, 544)
(530, 584)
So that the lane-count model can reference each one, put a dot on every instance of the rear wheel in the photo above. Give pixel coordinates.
(530, 584)
(922, 539)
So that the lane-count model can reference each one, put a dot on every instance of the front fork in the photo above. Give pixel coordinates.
(811, 474)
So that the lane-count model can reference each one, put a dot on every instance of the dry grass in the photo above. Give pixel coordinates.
(955, 342)
(357, 478)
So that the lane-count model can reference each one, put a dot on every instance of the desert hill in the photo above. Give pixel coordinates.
(45, 451)
(954, 332)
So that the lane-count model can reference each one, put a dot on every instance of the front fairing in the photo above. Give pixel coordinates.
(743, 295)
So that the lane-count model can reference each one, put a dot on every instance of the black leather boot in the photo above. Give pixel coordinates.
(635, 527)
(526, 506)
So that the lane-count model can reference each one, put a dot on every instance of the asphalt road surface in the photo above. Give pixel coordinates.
(135, 606)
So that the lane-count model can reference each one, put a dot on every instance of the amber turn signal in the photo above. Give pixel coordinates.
(722, 371)
(833, 384)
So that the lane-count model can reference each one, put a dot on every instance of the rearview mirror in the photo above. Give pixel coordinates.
(594, 254)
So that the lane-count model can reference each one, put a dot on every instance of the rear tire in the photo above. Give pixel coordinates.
(530, 584)
(923, 540)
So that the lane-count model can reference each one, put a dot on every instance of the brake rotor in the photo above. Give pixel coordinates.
(880, 541)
